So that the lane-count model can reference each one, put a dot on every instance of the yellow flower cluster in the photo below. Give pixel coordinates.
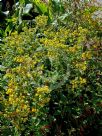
(9, 75)
(54, 47)
(78, 82)
(43, 89)
(82, 80)
(82, 66)
(19, 59)
(79, 35)
(74, 49)
(61, 35)
(41, 20)
(9, 91)
(43, 95)
(82, 30)
(52, 54)
(34, 110)
(16, 100)
(86, 55)
(18, 104)
(43, 101)
(53, 43)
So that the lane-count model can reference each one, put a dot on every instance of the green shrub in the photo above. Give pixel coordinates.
(52, 84)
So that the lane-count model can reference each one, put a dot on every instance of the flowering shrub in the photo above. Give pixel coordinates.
(52, 81)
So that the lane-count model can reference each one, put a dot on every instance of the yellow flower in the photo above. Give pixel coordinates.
(74, 49)
(43, 102)
(9, 91)
(11, 100)
(78, 82)
(9, 75)
(81, 66)
(24, 107)
(20, 50)
(43, 89)
(34, 110)
(74, 83)
(11, 83)
(29, 75)
(16, 100)
(41, 20)
(86, 55)
(82, 80)
(52, 54)
(17, 110)
(19, 59)
(71, 49)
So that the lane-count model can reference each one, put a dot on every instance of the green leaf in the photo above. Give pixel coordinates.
(27, 8)
(2, 68)
(42, 8)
